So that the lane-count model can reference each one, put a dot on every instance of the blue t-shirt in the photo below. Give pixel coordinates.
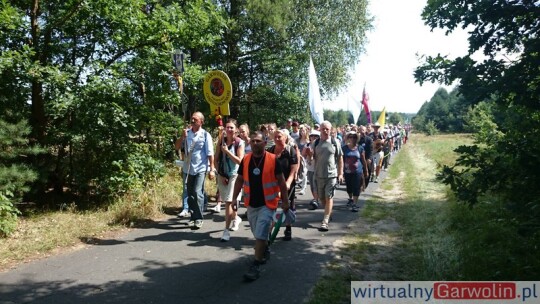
(352, 162)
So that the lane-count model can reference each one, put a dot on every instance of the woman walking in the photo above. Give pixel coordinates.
(287, 158)
(354, 168)
(230, 153)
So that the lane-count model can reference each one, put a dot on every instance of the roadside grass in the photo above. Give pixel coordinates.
(39, 235)
(403, 232)
(426, 234)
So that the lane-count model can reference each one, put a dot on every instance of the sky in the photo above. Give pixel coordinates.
(387, 67)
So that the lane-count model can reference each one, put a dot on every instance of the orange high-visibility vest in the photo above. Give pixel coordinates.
(269, 181)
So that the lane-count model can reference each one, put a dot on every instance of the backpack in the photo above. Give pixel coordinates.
(334, 143)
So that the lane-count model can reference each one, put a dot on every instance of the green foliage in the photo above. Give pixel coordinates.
(501, 166)
(134, 173)
(94, 78)
(15, 174)
(431, 128)
(445, 110)
(395, 118)
(481, 122)
(8, 214)
(337, 118)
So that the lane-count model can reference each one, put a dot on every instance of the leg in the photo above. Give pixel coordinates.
(195, 195)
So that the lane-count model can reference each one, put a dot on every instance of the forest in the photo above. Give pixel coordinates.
(89, 103)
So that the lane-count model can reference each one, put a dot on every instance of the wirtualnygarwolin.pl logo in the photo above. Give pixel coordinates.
(401, 292)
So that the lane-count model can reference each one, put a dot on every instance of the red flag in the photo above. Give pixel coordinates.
(365, 99)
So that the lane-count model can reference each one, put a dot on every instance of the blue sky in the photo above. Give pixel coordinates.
(399, 36)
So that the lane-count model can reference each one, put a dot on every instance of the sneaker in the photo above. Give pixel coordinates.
(324, 227)
(191, 223)
(313, 205)
(355, 208)
(288, 234)
(253, 273)
(184, 213)
(376, 179)
(226, 236)
(349, 202)
(216, 209)
(198, 224)
(236, 223)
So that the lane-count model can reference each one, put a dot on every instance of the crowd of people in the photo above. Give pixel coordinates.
(268, 167)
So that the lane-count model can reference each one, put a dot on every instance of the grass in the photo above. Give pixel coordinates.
(41, 234)
(403, 234)
(425, 234)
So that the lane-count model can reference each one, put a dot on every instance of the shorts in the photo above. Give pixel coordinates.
(226, 191)
(260, 220)
(312, 181)
(326, 188)
(377, 158)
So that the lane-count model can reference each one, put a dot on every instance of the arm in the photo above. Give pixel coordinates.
(364, 163)
(283, 190)
(340, 168)
(239, 153)
(212, 173)
(238, 186)
(210, 152)
(294, 167)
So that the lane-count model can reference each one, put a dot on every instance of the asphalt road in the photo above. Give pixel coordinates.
(167, 262)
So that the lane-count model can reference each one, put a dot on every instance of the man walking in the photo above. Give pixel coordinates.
(328, 170)
(367, 143)
(263, 182)
(199, 155)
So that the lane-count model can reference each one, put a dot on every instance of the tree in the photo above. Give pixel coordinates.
(15, 177)
(93, 78)
(445, 110)
(501, 164)
(395, 118)
(266, 46)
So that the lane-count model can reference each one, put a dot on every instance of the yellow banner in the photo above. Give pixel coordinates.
(217, 88)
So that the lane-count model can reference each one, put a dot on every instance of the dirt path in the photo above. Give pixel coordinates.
(377, 233)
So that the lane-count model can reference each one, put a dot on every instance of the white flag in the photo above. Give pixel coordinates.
(314, 95)
(354, 107)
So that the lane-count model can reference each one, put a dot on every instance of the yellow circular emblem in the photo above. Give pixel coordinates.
(217, 88)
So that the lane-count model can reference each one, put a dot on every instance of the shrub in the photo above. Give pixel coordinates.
(8, 215)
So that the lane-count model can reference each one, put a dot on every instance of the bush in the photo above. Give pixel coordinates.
(8, 215)
(134, 173)
(431, 128)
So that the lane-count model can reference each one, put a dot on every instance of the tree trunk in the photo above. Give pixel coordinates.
(37, 119)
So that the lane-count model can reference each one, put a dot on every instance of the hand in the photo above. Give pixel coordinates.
(285, 205)
(340, 178)
(235, 205)
(212, 175)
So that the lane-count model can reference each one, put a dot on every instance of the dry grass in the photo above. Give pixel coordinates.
(42, 235)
